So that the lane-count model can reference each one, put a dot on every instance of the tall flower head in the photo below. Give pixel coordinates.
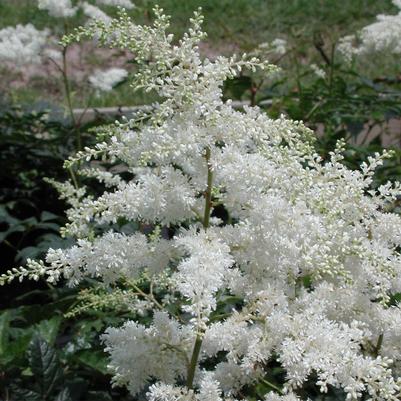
(128, 4)
(22, 45)
(383, 35)
(95, 13)
(58, 8)
(253, 251)
(104, 81)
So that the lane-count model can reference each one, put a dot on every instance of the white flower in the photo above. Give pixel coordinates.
(58, 8)
(105, 80)
(272, 396)
(22, 45)
(209, 389)
(299, 272)
(319, 72)
(166, 392)
(112, 256)
(384, 35)
(117, 3)
(200, 275)
(54, 54)
(95, 13)
(346, 48)
(397, 3)
(279, 46)
(159, 351)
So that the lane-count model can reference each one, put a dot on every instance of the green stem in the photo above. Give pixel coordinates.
(378, 345)
(297, 73)
(208, 193)
(73, 177)
(149, 297)
(194, 361)
(273, 386)
(206, 221)
(67, 89)
(331, 76)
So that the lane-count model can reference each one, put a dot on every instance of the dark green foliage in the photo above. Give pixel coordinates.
(31, 148)
(45, 356)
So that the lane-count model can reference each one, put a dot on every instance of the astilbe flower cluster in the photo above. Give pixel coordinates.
(25, 45)
(257, 252)
(383, 35)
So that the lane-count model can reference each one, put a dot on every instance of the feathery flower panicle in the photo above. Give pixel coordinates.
(25, 45)
(58, 8)
(384, 35)
(95, 13)
(128, 4)
(22, 45)
(104, 81)
(318, 71)
(299, 270)
(279, 46)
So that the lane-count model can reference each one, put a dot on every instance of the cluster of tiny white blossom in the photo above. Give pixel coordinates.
(318, 71)
(95, 13)
(65, 8)
(277, 47)
(382, 35)
(105, 80)
(25, 45)
(127, 4)
(305, 247)
(22, 45)
(58, 8)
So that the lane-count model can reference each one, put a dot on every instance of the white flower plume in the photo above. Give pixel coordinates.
(105, 80)
(22, 45)
(58, 8)
(255, 252)
(128, 4)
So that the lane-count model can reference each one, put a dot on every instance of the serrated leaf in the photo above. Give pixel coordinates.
(4, 332)
(48, 329)
(64, 395)
(19, 393)
(45, 365)
(94, 359)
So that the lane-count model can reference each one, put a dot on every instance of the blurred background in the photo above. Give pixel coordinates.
(54, 100)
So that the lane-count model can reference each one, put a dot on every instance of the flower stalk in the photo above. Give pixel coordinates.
(206, 222)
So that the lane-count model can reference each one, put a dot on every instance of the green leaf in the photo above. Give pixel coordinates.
(13, 341)
(28, 252)
(47, 226)
(46, 216)
(236, 87)
(98, 396)
(94, 359)
(45, 366)
(25, 394)
(4, 332)
(18, 345)
(13, 229)
(48, 329)
(64, 395)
